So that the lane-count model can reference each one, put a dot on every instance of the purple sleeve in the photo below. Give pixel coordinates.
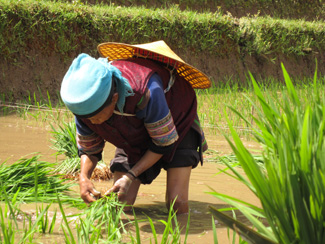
(88, 142)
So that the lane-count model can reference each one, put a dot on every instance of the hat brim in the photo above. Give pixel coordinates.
(158, 51)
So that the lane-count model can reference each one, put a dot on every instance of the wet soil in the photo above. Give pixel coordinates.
(21, 137)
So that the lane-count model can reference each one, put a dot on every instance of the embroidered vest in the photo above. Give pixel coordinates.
(129, 132)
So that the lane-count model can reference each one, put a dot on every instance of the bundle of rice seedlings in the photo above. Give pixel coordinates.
(33, 180)
(101, 222)
(64, 142)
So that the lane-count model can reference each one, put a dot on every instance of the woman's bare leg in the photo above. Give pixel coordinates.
(178, 180)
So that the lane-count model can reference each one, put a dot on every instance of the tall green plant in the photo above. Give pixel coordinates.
(64, 139)
(291, 186)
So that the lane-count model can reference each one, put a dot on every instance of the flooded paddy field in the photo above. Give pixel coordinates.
(20, 138)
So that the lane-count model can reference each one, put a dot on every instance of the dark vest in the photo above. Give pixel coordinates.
(129, 132)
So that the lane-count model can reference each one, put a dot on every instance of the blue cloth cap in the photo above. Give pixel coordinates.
(86, 86)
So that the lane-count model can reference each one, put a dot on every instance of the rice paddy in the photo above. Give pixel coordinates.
(264, 172)
(279, 118)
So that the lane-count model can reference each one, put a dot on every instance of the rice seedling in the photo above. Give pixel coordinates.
(290, 187)
(35, 108)
(64, 139)
(228, 96)
(248, 234)
(12, 232)
(4, 110)
(171, 233)
(9, 231)
(7, 228)
(100, 223)
(33, 180)
(64, 142)
(234, 238)
(45, 225)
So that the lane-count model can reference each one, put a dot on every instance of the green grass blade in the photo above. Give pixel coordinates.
(245, 232)
(66, 222)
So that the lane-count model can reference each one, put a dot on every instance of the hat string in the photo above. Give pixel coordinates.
(171, 81)
(123, 87)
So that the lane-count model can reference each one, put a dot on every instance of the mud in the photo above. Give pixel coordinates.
(21, 137)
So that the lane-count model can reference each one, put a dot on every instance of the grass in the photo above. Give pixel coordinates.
(102, 222)
(213, 102)
(293, 9)
(32, 180)
(291, 129)
(50, 32)
(52, 21)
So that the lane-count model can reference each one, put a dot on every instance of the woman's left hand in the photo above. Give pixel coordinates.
(121, 186)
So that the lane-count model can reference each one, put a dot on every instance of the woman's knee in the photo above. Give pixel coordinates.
(180, 206)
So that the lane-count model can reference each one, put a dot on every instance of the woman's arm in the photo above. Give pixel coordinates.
(122, 185)
(87, 166)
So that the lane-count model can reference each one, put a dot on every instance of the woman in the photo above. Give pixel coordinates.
(143, 102)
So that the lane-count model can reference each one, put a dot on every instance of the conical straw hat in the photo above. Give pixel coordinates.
(158, 51)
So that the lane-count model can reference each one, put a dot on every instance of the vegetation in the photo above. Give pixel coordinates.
(102, 222)
(32, 180)
(44, 36)
(66, 28)
(280, 118)
(291, 132)
(310, 10)
(287, 119)
(211, 103)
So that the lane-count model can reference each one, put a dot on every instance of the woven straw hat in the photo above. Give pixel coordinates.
(158, 51)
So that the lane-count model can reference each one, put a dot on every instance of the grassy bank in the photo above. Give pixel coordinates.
(293, 9)
(70, 27)
(39, 39)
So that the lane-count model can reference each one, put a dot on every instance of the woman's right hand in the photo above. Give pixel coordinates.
(87, 190)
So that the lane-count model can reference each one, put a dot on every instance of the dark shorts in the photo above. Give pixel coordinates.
(186, 155)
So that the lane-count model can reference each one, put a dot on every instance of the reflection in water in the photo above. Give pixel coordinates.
(20, 138)
(200, 218)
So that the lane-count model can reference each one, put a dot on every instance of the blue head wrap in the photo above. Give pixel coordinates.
(123, 87)
(87, 85)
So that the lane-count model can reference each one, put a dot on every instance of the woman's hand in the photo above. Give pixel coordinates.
(87, 190)
(121, 186)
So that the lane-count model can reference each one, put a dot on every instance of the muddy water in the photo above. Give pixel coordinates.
(20, 138)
